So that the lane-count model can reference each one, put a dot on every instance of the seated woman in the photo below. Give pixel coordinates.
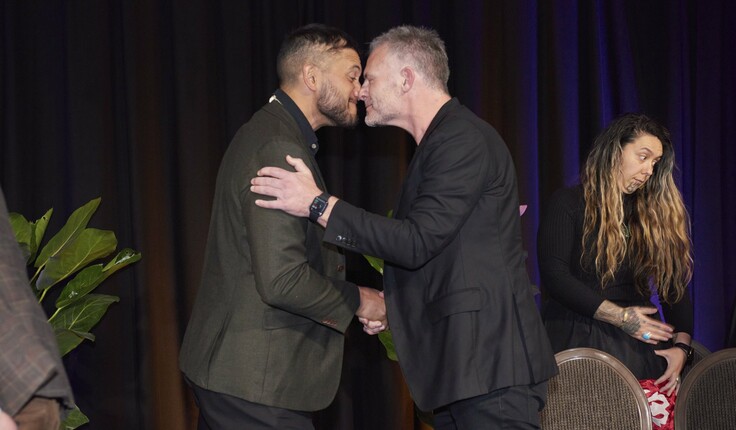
(607, 245)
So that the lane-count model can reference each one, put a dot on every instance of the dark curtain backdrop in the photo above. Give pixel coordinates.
(136, 101)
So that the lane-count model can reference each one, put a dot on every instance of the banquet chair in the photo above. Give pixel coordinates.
(594, 390)
(707, 397)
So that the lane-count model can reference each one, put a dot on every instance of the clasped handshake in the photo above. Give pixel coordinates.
(372, 311)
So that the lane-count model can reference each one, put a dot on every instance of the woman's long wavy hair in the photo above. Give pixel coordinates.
(658, 247)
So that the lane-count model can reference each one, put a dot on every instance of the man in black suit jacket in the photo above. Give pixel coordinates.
(467, 332)
(264, 344)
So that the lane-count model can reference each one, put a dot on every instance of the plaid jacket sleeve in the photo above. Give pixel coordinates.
(30, 364)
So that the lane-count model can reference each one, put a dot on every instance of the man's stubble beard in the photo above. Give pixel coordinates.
(330, 104)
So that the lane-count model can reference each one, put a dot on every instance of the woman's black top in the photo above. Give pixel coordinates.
(572, 294)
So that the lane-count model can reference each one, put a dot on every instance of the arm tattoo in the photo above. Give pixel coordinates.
(620, 317)
(631, 325)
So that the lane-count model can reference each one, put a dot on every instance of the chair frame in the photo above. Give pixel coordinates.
(642, 404)
(688, 383)
(699, 349)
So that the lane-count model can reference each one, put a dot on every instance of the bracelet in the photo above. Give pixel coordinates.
(625, 315)
(685, 347)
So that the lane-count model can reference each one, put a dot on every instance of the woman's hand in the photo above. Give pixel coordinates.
(675, 363)
(637, 323)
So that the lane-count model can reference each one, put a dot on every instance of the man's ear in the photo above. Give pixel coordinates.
(310, 76)
(408, 75)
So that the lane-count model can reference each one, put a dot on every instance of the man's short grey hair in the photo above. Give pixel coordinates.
(422, 45)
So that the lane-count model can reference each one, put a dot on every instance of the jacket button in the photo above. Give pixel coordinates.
(340, 267)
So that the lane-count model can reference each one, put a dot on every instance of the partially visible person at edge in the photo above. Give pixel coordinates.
(606, 244)
(34, 389)
(264, 344)
(467, 332)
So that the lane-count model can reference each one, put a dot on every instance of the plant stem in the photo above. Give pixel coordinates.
(43, 294)
(35, 275)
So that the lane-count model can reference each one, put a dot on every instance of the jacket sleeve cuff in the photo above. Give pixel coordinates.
(347, 312)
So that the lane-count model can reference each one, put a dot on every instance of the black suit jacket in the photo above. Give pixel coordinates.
(459, 301)
(272, 307)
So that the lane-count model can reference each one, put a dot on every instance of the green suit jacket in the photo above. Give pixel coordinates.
(268, 322)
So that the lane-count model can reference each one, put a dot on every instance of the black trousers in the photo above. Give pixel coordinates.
(515, 407)
(218, 411)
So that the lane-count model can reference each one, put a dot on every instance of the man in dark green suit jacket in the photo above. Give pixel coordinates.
(468, 335)
(264, 344)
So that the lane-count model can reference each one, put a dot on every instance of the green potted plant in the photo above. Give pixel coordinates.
(66, 259)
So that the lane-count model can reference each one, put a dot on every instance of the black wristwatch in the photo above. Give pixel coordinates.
(688, 351)
(318, 206)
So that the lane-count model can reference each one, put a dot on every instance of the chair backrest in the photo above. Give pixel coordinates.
(699, 353)
(594, 391)
(707, 398)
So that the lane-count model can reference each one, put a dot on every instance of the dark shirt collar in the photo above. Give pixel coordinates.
(451, 104)
(301, 120)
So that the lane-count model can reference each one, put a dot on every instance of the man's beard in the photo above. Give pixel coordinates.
(382, 113)
(378, 120)
(331, 105)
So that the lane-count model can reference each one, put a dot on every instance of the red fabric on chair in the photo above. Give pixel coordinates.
(661, 405)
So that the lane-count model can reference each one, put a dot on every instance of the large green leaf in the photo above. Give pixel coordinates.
(23, 231)
(375, 263)
(38, 233)
(76, 223)
(84, 314)
(388, 342)
(90, 277)
(29, 234)
(75, 419)
(89, 245)
(86, 280)
(125, 256)
(70, 339)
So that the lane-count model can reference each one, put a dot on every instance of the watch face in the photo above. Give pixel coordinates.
(317, 208)
(318, 205)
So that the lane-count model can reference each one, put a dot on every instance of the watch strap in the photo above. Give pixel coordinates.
(687, 348)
